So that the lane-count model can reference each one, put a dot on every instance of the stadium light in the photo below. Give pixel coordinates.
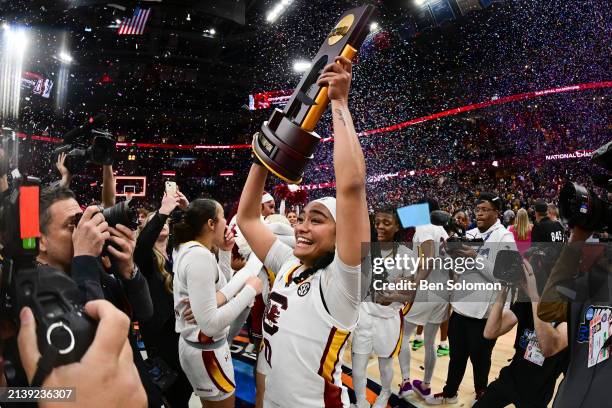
(495, 163)
(15, 42)
(412, 172)
(64, 57)
(278, 10)
(209, 32)
(301, 66)
(420, 2)
(374, 26)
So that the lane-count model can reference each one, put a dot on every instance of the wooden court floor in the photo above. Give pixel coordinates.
(502, 353)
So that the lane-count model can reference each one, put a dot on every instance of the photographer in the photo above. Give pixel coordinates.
(471, 308)
(579, 291)
(75, 249)
(530, 379)
(151, 256)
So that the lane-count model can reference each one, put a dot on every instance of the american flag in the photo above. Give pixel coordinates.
(136, 24)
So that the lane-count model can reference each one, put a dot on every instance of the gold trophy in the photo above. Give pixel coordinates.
(287, 140)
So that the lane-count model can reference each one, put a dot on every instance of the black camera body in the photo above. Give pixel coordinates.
(509, 267)
(51, 294)
(446, 221)
(124, 213)
(60, 320)
(583, 208)
(100, 152)
(80, 151)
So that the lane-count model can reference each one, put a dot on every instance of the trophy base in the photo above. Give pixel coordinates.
(284, 148)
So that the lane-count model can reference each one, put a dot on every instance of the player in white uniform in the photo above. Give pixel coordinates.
(430, 309)
(282, 229)
(314, 302)
(380, 326)
(203, 350)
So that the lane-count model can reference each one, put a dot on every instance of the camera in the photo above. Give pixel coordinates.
(63, 329)
(509, 267)
(124, 213)
(79, 152)
(446, 221)
(583, 208)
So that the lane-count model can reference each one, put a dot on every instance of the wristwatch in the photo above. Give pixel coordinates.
(134, 272)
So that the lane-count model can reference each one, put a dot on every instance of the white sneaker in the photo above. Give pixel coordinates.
(383, 399)
(439, 399)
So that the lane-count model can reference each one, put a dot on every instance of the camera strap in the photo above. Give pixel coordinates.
(45, 365)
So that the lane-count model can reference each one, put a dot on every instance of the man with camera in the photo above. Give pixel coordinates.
(539, 359)
(579, 291)
(471, 308)
(72, 242)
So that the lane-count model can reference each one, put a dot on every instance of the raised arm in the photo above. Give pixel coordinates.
(66, 176)
(108, 186)
(551, 339)
(500, 320)
(259, 237)
(352, 224)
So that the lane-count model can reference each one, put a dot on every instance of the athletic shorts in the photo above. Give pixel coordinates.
(210, 372)
(378, 335)
(422, 313)
(262, 365)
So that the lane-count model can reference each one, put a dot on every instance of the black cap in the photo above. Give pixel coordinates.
(495, 201)
(541, 207)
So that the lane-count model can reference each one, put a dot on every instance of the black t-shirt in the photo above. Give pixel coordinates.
(533, 382)
(548, 230)
(585, 386)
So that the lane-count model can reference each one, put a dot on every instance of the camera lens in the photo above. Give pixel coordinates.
(123, 213)
(581, 207)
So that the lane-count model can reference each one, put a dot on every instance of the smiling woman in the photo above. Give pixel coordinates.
(316, 295)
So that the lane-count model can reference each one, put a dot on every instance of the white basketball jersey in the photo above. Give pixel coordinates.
(188, 331)
(430, 306)
(303, 344)
(390, 311)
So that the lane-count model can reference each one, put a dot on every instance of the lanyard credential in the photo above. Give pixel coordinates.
(485, 238)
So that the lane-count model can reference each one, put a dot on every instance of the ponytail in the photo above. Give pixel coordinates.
(320, 263)
(182, 233)
(194, 218)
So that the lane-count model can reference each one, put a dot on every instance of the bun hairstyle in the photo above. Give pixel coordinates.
(197, 215)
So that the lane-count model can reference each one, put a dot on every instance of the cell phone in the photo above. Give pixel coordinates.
(414, 215)
(171, 188)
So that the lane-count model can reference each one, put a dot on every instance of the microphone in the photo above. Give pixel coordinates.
(75, 133)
